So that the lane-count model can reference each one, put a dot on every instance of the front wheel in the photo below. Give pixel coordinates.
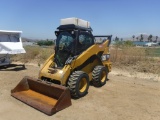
(78, 84)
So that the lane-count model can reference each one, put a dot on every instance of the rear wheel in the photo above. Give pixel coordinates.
(78, 84)
(99, 76)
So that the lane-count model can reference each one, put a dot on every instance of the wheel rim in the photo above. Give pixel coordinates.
(104, 75)
(82, 85)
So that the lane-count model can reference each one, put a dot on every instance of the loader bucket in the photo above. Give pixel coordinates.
(46, 97)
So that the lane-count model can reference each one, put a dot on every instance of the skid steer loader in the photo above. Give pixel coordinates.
(79, 59)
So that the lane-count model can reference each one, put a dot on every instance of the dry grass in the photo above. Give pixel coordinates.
(34, 54)
(127, 55)
(130, 58)
(135, 58)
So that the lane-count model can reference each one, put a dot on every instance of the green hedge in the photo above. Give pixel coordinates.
(45, 42)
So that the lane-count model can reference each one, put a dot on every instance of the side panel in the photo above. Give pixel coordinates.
(93, 50)
(89, 65)
(90, 58)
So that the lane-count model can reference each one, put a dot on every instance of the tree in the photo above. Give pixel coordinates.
(141, 38)
(116, 39)
(156, 38)
(137, 38)
(133, 37)
(150, 38)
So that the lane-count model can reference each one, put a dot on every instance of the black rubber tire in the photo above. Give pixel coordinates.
(99, 76)
(75, 81)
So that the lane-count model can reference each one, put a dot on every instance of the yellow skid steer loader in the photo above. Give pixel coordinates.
(79, 59)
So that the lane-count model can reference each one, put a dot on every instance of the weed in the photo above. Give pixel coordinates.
(138, 58)
(34, 54)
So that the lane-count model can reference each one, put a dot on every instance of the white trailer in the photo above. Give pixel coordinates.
(10, 43)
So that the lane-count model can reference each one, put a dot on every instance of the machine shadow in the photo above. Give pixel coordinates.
(13, 67)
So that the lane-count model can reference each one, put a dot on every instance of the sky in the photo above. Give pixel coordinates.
(38, 19)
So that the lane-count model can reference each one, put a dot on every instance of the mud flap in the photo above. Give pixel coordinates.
(46, 97)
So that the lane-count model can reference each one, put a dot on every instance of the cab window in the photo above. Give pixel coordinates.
(85, 40)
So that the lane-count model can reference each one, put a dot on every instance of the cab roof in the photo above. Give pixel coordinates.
(73, 27)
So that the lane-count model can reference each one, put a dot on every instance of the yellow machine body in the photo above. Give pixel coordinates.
(80, 63)
(70, 75)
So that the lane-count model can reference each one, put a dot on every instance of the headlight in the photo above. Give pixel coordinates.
(105, 57)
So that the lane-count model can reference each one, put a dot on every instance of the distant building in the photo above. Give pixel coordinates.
(147, 44)
(28, 43)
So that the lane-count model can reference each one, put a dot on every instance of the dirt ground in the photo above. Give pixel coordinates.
(126, 96)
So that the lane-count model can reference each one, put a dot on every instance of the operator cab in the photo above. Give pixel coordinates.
(71, 41)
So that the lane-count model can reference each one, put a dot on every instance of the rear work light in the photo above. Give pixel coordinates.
(105, 57)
